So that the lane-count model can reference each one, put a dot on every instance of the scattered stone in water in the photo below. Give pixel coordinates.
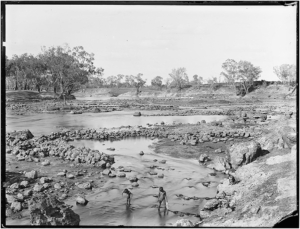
(163, 161)
(46, 162)
(121, 175)
(160, 175)
(153, 173)
(134, 184)
(111, 149)
(81, 200)
(141, 153)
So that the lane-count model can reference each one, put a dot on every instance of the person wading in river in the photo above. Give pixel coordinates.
(162, 196)
(129, 194)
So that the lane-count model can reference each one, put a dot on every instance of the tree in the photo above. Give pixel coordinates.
(286, 72)
(247, 74)
(68, 67)
(157, 82)
(179, 77)
(197, 79)
(212, 81)
(168, 82)
(230, 71)
(138, 83)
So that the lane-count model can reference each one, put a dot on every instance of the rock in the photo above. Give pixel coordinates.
(184, 223)
(63, 196)
(203, 121)
(46, 185)
(27, 193)
(112, 174)
(96, 110)
(45, 163)
(14, 186)
(8, 151)
(137, 113)
(48, 211)
(204, 214)
(211, 204)
(244, 153)
(86, 185)
(121, 175)
(111, 149)
(163, 161)
(134, 184)
(57, 186)
(160, 176)
(10, 199)
(61, 174)
(16, 206)
(70, 176)
(24, 184)
(141, 153)
(81, 200)
(20, 197)
(152, 173)
(133, 179)
(106, 172)
(203, 157)
(218, 150)
(22, 135)
(38, 188)
(33, 174)
(44, 180)
(219, 163)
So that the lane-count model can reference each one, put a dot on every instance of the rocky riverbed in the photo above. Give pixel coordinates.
(51, 178)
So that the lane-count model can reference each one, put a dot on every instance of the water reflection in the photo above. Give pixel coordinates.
(129, 216)
(162, 213)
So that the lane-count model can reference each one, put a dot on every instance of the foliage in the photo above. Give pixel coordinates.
(138, 82)
(179, 78)
(230, 71)
(197, 80)
(242, 73)
(247, 74)
(157, 82)
(286, 72)
(54, 67)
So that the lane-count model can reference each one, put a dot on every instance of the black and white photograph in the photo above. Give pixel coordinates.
(149, 114)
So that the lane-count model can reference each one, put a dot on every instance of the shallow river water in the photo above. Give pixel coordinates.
(106, 204)
(45, 123)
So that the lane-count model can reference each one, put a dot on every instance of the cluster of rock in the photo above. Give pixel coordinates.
(211, 136)
(26, 148)
(46, 210)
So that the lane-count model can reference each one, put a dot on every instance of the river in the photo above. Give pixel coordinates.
(106, 204)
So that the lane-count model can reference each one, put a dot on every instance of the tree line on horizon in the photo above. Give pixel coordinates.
(65, 70)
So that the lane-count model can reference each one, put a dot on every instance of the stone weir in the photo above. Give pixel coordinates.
(25, 147)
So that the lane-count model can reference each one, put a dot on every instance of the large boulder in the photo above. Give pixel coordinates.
(48, 211)
(244, 153)
(32, 174)
(219, 163)
(22, 135)
(211, 204)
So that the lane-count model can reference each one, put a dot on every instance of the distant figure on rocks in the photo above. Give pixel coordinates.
(162, 196)
(129, 194)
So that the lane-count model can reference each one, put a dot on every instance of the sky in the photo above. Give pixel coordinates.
(153, 40)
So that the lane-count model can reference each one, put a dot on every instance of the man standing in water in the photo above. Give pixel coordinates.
(162, 196)
(129, 194)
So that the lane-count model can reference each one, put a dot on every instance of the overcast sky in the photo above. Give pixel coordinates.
(155, 39)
